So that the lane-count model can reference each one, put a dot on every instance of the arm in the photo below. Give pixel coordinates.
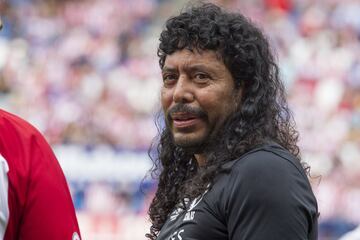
(39, 201)
(269, 198)
(49, 212)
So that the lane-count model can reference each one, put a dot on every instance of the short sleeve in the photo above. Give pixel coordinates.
(268, 197)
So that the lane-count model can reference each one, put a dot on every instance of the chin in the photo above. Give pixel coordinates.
(190, 145)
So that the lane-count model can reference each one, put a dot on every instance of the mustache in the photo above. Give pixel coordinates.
(184, 108)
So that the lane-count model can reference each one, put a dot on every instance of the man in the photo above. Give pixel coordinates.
(35, 201)
(228, 163)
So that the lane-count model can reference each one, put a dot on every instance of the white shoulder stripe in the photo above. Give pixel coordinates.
(4, 206)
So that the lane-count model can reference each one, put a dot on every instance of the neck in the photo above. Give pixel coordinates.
(201, 159)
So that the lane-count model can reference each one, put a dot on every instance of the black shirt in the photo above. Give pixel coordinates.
(265, 196)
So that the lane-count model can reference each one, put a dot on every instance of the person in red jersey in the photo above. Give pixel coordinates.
(35, 202)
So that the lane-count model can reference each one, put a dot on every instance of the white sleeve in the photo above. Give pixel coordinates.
(4, 206)
(353, 235)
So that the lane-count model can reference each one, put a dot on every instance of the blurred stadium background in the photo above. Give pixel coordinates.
(85, 73)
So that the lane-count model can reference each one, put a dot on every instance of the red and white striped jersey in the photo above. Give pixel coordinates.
(35, 201)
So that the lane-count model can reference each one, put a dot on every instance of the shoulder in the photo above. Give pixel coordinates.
(266, 160)
(10, 123)
(268, 172)
(17, 135)
(266, 189)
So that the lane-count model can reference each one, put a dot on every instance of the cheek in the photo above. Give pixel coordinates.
(220, 105)
(165, 98)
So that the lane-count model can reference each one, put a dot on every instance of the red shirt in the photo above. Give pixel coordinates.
(38, 204)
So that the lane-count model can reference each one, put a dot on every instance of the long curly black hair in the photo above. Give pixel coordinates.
(263, 115)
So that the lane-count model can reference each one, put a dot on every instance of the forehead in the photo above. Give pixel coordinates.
(187, 57)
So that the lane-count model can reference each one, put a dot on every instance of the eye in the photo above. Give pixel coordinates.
(169, 79)
(201, 77)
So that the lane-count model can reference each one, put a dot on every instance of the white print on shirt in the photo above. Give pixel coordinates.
(177, 235)
(196, 201)
(189, 213)
(75, 236)
(4, 206)
(189, 216)
(176, 213)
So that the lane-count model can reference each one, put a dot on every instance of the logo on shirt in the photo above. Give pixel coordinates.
(196, 201)
(176, 213)
(190, 214)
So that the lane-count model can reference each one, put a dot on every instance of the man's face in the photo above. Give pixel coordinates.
(197, 96)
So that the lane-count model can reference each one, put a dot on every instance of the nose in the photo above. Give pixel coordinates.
(183, 92)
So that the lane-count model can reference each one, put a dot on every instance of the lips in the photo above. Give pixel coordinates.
(184, 120)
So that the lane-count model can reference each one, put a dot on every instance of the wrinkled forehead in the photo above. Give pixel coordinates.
(189, 57)
(195, 50)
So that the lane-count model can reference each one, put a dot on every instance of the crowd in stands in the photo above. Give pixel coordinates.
(86, 73)
(82, 71)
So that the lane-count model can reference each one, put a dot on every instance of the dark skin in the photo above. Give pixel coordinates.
(197, 96)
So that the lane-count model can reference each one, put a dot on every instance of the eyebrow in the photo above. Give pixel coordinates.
(191, 68)
(168, 69)
(198, 67)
